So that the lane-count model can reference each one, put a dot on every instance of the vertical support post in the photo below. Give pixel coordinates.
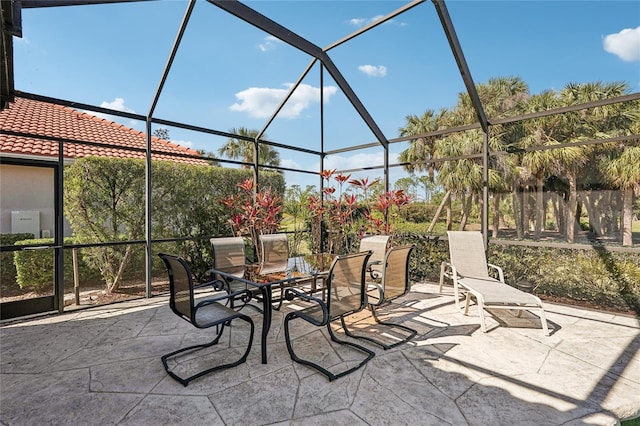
(59, 234)
(386, 179)
(321, 239)
(76, 276)
(147, 207)
(485, 190)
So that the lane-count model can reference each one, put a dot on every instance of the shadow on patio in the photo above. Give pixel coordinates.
(102, 366)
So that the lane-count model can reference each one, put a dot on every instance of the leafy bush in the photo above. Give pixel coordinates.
(418, 212)
(104, 200)
(8, 272)
(601, 277)
(429, 254)
(34, 268)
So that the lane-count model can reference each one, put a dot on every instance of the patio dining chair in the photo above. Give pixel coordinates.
(395, 283)
(378, 244)
(345, 296)
(229, 257)
(202, 313)
(274, 260)
(469, 270)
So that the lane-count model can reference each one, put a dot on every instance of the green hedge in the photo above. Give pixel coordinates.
(104, 202)
(601, 277)
(429, 254)
(34, 268)
(8, 272)
(598, 276)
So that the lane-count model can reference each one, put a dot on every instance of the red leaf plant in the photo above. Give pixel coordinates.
(254, 215)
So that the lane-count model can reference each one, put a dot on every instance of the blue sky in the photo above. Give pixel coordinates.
(228, 74)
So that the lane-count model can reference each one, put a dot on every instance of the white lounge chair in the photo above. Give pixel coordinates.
(469, 270)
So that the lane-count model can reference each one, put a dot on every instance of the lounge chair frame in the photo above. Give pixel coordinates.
(469, 270)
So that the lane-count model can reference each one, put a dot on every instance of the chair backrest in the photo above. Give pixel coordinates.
(180, 285)
(378, 244)
(346, 288)
(466, 250)
(395, 277)
(275, 253)
(229, 255)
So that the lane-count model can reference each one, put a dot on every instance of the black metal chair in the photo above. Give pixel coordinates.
(205, 313)
(395, 283)
(345, 296)
(229, 257)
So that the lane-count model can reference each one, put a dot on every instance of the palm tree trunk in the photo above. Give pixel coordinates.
(517, 211)
(446, 197)
(496, 215)
(571, 206)
(449, 215)
(540, 206)
(526, 211)
(466, 208)
(627, 213)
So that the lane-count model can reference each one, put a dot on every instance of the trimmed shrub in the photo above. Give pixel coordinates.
(600, 277)
(8, 274)
(34, 268)
(610, 280)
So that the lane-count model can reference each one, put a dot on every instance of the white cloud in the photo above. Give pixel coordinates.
(373, 71)
(356, 161)
(186, 144)
(261, 102)
(118, 105)
(361, 22)
(270, 43)
(291, 164)
(625, 44)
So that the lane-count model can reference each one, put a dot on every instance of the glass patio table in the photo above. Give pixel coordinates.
(266, 292)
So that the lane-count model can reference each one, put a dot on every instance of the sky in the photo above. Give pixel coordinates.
(227, 74)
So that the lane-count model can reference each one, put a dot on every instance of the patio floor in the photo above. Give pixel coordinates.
(102, 366)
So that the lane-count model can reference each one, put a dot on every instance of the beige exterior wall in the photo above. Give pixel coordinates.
(27, 188)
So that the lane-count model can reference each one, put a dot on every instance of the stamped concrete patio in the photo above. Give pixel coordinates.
(102, 366)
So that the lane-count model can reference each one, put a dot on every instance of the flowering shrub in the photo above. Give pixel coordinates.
(254, 216)
(347, 215)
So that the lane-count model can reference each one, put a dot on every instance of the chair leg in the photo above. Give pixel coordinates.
(385, 346)
(331, 376)
(187, 380)
(543, 320)
(483, 325)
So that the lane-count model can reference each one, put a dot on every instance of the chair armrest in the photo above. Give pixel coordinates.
(217, 285)
(499, 269)
(292, 293)
(446, 270)
(246, 297)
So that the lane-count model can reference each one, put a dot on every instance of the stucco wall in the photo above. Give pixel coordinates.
(27, 188)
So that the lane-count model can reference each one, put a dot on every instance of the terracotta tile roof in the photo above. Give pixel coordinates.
(42, 118)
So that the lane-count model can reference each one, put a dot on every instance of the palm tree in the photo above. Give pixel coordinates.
(539, 133)
(242, 149)
(587, 124)
(421, 149)
(624, 172)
